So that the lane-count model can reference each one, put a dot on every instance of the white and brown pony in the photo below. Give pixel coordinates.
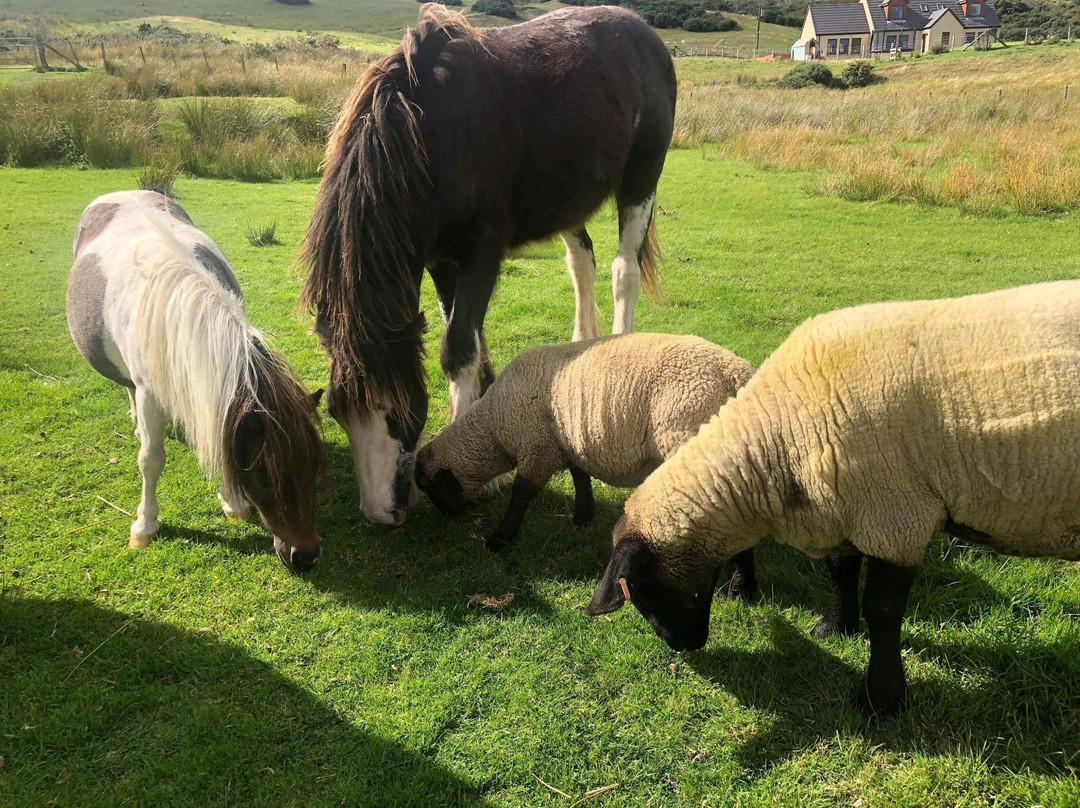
(153, 305)
(452, 150)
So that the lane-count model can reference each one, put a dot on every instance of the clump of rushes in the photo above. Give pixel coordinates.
(262, 235)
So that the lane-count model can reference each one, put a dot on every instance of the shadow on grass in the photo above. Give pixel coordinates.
(1007, 697)
(144, 713)
(436, 562)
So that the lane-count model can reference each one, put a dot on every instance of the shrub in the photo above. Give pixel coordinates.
(939, 48)
(709, 22)
(496, 8)
(262, 235)
(665, 19)
(859, 73)
(807, 74)
(159, 175)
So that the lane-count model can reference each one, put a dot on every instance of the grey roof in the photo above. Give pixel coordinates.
(843, 18)
(917, 19)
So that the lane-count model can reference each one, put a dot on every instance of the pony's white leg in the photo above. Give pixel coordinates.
(151, 429)
(626, 269)
(582, 265)
(232, 501)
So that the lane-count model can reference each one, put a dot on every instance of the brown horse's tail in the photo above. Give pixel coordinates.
(647, 260)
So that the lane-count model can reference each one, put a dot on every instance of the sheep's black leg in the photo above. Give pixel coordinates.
(842, 613)
(523, 493)
(584, 504)
(743, 580)
(884, 602)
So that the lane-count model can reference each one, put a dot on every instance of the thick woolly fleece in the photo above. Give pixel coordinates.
(870, 428)
(615, 408)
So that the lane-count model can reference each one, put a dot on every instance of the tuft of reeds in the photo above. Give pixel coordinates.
(262, 235)
(159, 175)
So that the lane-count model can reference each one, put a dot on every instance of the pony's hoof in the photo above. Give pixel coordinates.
(140, 541)
(237, 511)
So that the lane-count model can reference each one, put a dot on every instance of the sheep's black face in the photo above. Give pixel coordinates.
(675, 604)
(441, 486)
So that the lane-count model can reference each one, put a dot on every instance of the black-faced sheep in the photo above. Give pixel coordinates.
(865, 432)
(612, 408)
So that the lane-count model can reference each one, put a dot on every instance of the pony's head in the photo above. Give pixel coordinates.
(274, 455)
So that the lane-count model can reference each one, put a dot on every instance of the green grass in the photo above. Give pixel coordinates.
(381, 17)
(199, 672)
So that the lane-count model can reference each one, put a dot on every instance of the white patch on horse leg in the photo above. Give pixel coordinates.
(582, 265)
(625, 270)
(232, 501)
(132, 410)
(465, 384)
(151, 429)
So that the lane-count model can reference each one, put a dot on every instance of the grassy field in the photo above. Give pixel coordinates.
(384, 17)
(199, 672)
(985, 132)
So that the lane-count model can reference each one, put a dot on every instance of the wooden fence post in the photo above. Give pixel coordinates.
(1066, 92)
(344, 68)
(104, 60)
(243, 64)
(205, 60)
(143, 55)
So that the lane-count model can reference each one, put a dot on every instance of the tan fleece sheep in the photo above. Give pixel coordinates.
(865, 432)
(611, 408)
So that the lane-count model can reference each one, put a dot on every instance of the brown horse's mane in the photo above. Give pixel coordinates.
(291, 440)
(365, 275)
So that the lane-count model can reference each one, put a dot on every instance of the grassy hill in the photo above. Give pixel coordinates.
(264, 20)
(385, 17)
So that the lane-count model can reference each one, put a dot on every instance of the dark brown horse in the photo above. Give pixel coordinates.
(455, 148)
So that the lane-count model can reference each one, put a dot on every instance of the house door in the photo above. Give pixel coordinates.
(925, 40)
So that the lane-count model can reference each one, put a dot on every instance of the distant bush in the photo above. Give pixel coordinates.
(859, 73)
(496, 8)
(709, 22)
(665, 19)
(939, 48)
(296, 2)
(807, 74)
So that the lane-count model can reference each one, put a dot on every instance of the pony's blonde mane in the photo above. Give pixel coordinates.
(199, 350)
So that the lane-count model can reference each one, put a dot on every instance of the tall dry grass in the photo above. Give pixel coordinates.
(221, 126)
(981, 147)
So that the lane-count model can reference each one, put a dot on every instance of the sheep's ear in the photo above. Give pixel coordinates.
(623, 570)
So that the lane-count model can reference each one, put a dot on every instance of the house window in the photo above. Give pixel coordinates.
(844, 47)
(975, 10)
(890, 43)
(896, 12)
(924, 8)
(856, 46)
(946, 40)
(903, 42)
(968, 37)
(830, 48)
